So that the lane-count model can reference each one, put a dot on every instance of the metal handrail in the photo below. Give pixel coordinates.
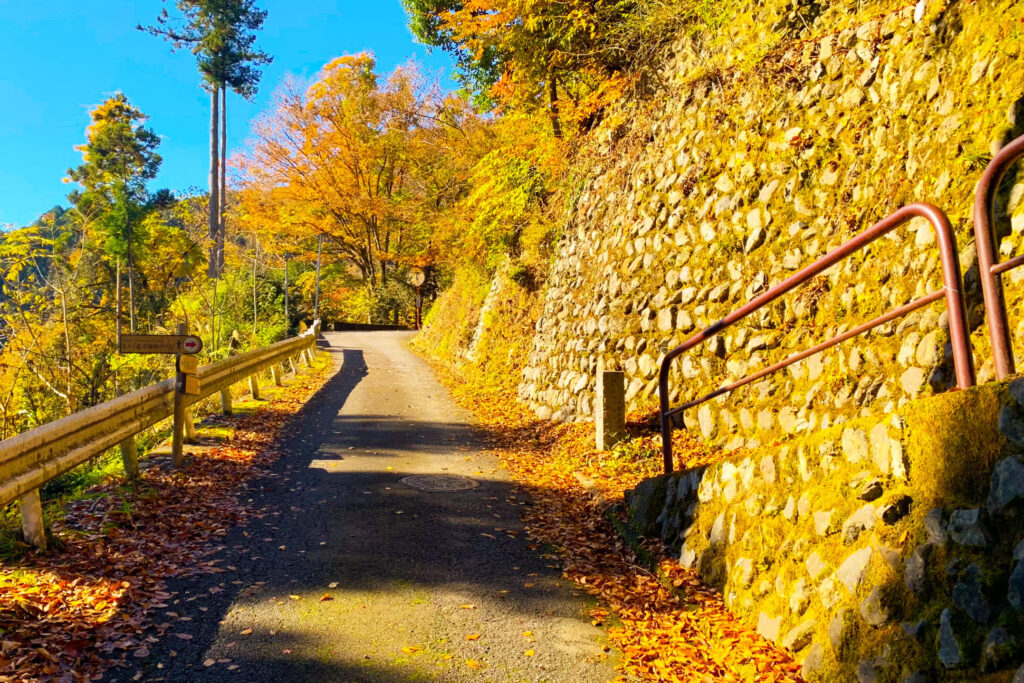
(31, 459)
(952, 291)
(989, 267)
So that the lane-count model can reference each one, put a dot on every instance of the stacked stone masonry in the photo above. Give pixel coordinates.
(884, 549)
(750, 167)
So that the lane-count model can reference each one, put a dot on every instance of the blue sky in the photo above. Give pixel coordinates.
(63, 57)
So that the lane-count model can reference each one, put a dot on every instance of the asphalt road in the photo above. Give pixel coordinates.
(423, 585)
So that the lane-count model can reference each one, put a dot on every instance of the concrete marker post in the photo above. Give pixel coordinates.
(33, 526)
(610, 408)
(254, 387)
(275, 374)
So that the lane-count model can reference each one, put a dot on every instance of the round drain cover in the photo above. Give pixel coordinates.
(439, 482)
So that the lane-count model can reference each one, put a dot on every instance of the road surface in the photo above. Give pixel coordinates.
(423, 585)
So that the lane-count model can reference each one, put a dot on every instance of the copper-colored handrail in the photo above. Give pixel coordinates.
(989, 266)
(952, 291)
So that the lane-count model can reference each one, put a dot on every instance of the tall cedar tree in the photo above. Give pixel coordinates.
(222, 35)
(119, 156)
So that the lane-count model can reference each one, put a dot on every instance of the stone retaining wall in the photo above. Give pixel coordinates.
(884, 549)
(754, 162)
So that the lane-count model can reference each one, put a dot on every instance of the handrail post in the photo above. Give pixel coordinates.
(275, 374)
(985, 240)
(254, 386)
(33, 525)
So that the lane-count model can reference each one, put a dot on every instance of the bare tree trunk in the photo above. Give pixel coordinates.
(67, 346)
(214, 230)
(223, 176)
(254, 296)
(556, 124)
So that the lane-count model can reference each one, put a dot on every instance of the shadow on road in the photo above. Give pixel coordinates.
(331, 514)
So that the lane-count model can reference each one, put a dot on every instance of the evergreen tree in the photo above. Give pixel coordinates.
(222, 35)
(118, 158)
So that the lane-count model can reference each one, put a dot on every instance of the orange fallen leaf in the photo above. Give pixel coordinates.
(473, 636)
(245, 632)
(325, 597)
(410, 649)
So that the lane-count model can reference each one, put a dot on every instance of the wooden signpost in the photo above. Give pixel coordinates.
(186, 344)
(183, 346)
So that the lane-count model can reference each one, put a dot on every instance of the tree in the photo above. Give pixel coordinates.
(529, 53)
(119, 156)
(222, 35)
(359, 160)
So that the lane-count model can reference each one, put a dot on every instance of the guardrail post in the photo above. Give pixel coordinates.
(254, 387)
(130, 458)
(178, 428)
(32, 524)
(291, 364)
(275, 374)
(225, 401)
(610, 408)
(190, 426)
(304, 357)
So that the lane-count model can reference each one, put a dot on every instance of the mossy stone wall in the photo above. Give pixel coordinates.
(773, 141)
(884, 549)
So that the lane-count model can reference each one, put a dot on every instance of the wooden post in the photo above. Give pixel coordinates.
(130, 458)
(32, 523)
(225, 401)
(178, 428)
(254, 387)
(275, 374)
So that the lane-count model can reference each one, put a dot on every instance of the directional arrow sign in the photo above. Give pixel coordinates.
(160, 343)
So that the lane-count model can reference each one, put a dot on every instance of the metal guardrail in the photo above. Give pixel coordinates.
(31, 459)
(952, 291)
(990, 269)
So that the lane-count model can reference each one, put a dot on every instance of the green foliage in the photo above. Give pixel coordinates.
(222, 35)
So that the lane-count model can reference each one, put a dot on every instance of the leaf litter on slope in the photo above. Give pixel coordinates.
(69, 614)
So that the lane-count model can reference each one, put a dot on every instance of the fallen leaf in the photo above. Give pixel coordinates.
(209, 662)
(473, 636)
(245, 632)
(473, 664)
(325, 597)
(529, 653)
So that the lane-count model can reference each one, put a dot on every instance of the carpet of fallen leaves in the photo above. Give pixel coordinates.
(84, 606)
(686, 634)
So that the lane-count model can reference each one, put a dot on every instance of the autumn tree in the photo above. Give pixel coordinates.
(222, 35)
(531, 54)
(118, 158)
(363, 160)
